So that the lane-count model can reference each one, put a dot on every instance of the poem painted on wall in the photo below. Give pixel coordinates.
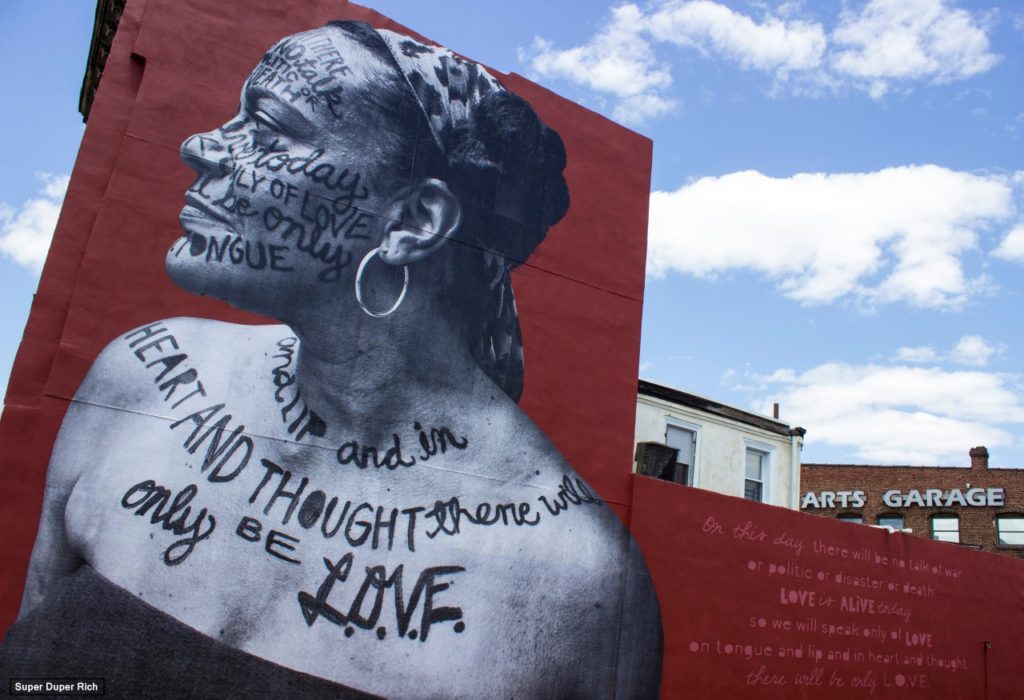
(829, 616)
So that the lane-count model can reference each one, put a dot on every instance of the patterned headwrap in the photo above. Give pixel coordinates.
(448, 88)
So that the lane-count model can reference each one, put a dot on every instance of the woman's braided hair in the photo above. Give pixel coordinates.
(503, 165)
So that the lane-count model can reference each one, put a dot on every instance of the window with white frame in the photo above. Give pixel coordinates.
(683, 437)
(757, 466)
(1010, 530)
(946, 528)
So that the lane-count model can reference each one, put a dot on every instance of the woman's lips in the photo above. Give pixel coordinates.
(193, 219)
(201, 222)
(195, 206)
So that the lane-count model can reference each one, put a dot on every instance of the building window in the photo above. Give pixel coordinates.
(1010, 530)
(758, 461)
(851, 518)
(891, 520)
(683, 439)
(756, 471)
(946, 528)
(657, 460)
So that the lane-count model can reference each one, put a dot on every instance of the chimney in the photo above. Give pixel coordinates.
(775, 411)
(979, 457)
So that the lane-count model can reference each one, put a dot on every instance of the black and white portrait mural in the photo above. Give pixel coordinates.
(350, 501)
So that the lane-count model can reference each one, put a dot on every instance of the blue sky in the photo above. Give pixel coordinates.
(837, 215)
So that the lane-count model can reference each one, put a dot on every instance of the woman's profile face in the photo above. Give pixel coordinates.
(280, 213)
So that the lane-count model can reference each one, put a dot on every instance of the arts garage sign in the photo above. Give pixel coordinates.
(895, 498)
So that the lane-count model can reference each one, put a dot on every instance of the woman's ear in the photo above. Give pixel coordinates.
(428, 214)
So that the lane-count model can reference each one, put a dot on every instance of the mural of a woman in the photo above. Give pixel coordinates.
(355, 494)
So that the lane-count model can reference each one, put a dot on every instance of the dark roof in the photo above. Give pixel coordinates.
(967, 467)
(719, 409)
(817, 465)
(108, 16)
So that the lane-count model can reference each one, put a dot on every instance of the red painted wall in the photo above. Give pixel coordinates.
(763, 602)
(579, 295)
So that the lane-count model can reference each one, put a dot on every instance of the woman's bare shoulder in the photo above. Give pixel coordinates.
(183, 334)
(602, 565)
(169, 354)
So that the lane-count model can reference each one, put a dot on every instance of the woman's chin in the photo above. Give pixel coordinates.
(196, 275)
(232, 284)
(181, 266)
(189, 264)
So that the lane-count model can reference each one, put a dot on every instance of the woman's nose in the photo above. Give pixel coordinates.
(205, 153)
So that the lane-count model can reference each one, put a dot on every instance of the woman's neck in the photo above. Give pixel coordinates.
(384, 373)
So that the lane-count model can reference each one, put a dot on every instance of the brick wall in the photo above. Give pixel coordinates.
(977, 524)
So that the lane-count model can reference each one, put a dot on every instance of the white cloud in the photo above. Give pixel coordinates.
(895, 235)
(897, 415)
(635, 109)
(923, 353)
(970, 350)
(910, 40)
(773, 45)
(886, 44)
(973, 350)
(25, 232)
(1012, 247)
(617, 60)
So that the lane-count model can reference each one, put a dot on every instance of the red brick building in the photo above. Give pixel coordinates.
(977, 506)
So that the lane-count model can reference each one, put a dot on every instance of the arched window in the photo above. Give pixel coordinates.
(1010, 530)
(946, 527)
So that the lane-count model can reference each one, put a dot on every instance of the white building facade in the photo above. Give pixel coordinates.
(716, 446)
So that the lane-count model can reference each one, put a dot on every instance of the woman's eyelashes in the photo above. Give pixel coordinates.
(263, 119)
(265, 132)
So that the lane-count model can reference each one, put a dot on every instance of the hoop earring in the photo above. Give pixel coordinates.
(359, 286)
